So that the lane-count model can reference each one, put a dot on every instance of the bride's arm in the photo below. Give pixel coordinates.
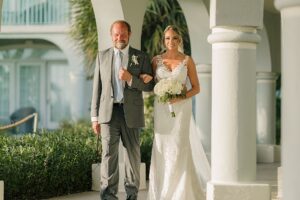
(192, 74)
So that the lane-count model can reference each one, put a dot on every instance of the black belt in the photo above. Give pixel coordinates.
(118, 104)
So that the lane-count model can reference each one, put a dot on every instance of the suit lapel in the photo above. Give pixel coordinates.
(108, 62)
(129, 57)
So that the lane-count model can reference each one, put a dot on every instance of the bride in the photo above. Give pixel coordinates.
(179, 168)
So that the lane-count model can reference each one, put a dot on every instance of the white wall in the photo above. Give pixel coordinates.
(272, 24)
(197, 18)
(0, 12)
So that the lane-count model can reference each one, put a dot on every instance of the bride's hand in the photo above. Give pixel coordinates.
(184, 88)
(146, 78)
(175, 100)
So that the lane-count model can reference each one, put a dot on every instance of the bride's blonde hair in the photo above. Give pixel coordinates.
(177, 31)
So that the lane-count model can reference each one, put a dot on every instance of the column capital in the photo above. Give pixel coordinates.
(281, 4)
(267, 76)
(233, 34)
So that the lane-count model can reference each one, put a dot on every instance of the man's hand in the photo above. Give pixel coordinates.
(96, 127)
(124, 75)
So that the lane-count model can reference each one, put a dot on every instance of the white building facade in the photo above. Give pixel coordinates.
(39, 64)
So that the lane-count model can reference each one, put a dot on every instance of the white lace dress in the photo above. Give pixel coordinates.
(179, 169)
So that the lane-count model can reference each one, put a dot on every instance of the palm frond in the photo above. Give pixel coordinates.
(84, 31)
(159, 14)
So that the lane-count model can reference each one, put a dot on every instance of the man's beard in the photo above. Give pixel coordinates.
(120, 45)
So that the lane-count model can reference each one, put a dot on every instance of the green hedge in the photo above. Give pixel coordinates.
(147, 133)
(47, 164)
(54, 163)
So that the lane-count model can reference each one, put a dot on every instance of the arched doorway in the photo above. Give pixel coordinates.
(34, 73)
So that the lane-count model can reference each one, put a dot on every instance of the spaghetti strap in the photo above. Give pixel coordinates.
(159, 60)
(185, 59)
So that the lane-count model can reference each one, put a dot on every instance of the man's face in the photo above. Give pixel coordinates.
(120, 35)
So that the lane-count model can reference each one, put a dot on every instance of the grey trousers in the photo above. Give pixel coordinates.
(110, 136)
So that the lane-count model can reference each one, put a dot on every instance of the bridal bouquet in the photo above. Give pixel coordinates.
(167, 89)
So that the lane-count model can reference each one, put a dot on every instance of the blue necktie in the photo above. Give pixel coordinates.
(118, 82)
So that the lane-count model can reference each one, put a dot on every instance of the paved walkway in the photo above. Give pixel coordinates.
(266, 173)
(93, 195)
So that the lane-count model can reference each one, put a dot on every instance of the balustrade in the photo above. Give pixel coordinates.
(35, 12)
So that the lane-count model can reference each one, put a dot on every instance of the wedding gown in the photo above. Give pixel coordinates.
(179, 168)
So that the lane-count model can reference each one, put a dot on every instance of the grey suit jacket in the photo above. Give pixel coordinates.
(103, 94)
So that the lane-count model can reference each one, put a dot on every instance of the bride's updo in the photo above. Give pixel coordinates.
(177, 31)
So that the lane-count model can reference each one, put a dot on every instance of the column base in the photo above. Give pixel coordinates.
(1, 190)
(268, 153)
(237, 191)
(279, 183)
(96, 171)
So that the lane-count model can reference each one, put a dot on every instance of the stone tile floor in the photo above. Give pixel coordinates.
(266, 173)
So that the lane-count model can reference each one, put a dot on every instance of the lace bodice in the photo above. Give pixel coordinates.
(179, 72)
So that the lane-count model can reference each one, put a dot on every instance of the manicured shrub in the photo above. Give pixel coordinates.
(147, 133)
(54, 163)
(49, 163)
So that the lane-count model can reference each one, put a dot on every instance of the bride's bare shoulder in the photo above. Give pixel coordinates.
(156, 58)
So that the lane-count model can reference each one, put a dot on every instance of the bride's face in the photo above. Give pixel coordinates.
(172, 40)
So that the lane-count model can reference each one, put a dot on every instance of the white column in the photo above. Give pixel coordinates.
(266, 107)
(290, 101)
(279, 183)
(203, 106)
(1, 190)
(1, 1)
(234, 115)
(267, 150)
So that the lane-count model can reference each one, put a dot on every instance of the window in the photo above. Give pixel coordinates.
(37, 77)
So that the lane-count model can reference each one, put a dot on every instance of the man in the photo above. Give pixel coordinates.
(117, 109)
